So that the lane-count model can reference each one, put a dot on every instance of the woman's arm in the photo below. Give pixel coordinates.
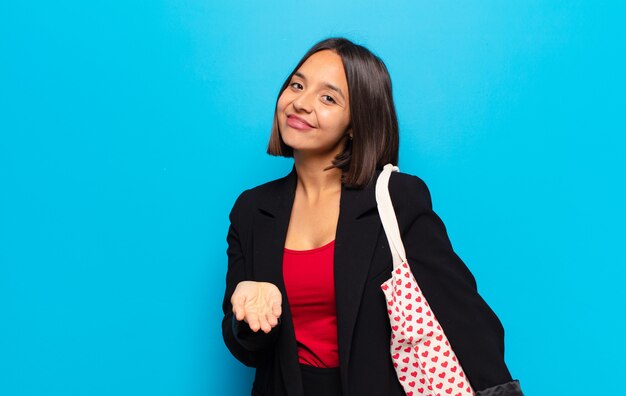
(474, 331)
(248, 346)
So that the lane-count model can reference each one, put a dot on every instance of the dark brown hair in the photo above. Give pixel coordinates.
(373, 120)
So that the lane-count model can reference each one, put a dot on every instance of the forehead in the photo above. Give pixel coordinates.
(325, 66)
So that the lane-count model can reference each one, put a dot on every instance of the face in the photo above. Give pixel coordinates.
(313, 112)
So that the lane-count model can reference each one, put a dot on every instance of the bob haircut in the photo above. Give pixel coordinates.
(373, 120)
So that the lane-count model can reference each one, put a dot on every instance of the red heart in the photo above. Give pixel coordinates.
(444, 364)
(428, 313)
(396, 318)
(409, 307)
(432, 370)
(395, 328)
(407, 349)
(460, 384)
(408, 295)
(419, 310)
(414, 373)
(395, 355)
(409, 318)
(420, 331)
(427, 343)
(439, 385)
(453, 369)
(446, 353)
(449, 390)
(411, 384)
(402, 378)
(435, 359)
(408, 285)
(430, 323)
(451, 380)
(422, 380)
(406, 360)
(439, 337)
(420, 320)
(437, 348)
(425, 353)
(441, 375)
(404, 369)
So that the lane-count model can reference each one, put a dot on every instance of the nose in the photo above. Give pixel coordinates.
(304, 102)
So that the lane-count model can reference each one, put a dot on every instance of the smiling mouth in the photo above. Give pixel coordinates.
(298, 123)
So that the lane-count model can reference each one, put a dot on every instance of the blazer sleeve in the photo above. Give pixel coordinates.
(474, 331)
(248, 347)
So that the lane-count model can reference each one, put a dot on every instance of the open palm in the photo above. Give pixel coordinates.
(257, 303)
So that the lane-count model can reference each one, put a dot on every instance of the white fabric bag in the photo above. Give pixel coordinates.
(422, 356)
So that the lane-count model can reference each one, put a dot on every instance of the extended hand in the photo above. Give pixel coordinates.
(257, 303)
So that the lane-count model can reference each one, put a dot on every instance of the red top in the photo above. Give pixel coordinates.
(310, 286)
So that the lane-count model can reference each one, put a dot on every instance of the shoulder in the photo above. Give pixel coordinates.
(407, 189)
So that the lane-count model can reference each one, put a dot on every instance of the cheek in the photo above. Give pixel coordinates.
(283, 102)
(334, 119)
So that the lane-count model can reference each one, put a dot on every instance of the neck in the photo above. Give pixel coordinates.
(313, 180)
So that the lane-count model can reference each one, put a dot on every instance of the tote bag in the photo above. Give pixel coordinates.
(422, 356)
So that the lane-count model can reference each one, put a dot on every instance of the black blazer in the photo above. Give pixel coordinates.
(256, 238)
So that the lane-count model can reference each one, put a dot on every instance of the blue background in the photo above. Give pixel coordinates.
(128, 128)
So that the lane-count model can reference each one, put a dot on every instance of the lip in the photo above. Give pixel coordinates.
(298, 123)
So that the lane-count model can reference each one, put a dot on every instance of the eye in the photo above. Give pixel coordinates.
(296, 85)
(328, 98)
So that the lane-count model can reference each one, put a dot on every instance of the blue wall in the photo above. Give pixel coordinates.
(123, 123)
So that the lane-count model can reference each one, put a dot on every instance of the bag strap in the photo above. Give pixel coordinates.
(388, 215)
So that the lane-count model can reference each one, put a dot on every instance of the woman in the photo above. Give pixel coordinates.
(307, 253)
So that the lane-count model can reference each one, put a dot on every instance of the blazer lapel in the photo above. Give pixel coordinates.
(358, 230)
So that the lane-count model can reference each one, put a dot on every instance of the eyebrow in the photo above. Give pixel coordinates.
(326, 84)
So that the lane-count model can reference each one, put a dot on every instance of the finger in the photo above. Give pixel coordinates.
(265, 326)
(239, 311)
(271, 319)
(238, 301)
(253, 322)
(277, 309)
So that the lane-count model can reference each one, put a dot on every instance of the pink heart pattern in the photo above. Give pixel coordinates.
(420, 351)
